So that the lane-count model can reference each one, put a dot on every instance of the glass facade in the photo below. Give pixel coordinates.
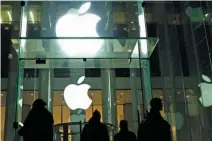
(179, 65)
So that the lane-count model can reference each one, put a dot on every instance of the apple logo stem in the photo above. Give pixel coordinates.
(76, 96)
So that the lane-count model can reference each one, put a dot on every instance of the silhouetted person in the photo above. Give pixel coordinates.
(38, 125)
(154, 127)
(95, 130)
(124, 134)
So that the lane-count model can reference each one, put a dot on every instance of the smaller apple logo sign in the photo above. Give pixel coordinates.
(76, 96)
(206, 91)
(79, 23)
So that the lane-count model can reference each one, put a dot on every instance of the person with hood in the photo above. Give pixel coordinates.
(95, 130)
(124, 134)
(154, 127)
(38, 125)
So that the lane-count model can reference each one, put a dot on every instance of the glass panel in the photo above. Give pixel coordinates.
(54, 43)
(34, 14)
(65, 48)
(6, 14)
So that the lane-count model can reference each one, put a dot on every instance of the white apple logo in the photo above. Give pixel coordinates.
(78, 23)
(76, 96)
(206, 92)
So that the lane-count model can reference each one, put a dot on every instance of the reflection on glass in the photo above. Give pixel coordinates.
(34, 14)
(206, 91)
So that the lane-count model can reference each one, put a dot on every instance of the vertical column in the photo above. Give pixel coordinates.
(108, 77)
(191, 30)
(45, 87)
(128, 115)
(144, 59)
(16, 13)
(146, 83)
(134, 99)
(11, 98)
(164, 68)
(167, 66)
(133, 85)
(14, 94)
(109, 96)
(77, 115)
(46, 75)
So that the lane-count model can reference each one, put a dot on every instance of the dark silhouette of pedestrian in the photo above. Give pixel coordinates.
(154, 127)
(124, 134)
(95, 130)
(38, 125)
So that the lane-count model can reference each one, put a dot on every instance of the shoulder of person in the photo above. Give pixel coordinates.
(116, 135)
(143, 122)
(103, 125)
(166, 123)
(86, 127)
(132, 133)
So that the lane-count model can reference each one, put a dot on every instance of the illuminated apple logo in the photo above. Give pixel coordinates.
(206, 91)
(76, 96)
(78, 23)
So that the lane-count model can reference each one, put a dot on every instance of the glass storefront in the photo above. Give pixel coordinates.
(107, 97)
(184, 50)
(68, 43)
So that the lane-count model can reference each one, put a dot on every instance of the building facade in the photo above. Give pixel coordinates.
(180, 64)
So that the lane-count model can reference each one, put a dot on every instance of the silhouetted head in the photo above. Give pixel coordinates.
(96, 115)
(156, 104)
(38, 103)
(123, 125)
